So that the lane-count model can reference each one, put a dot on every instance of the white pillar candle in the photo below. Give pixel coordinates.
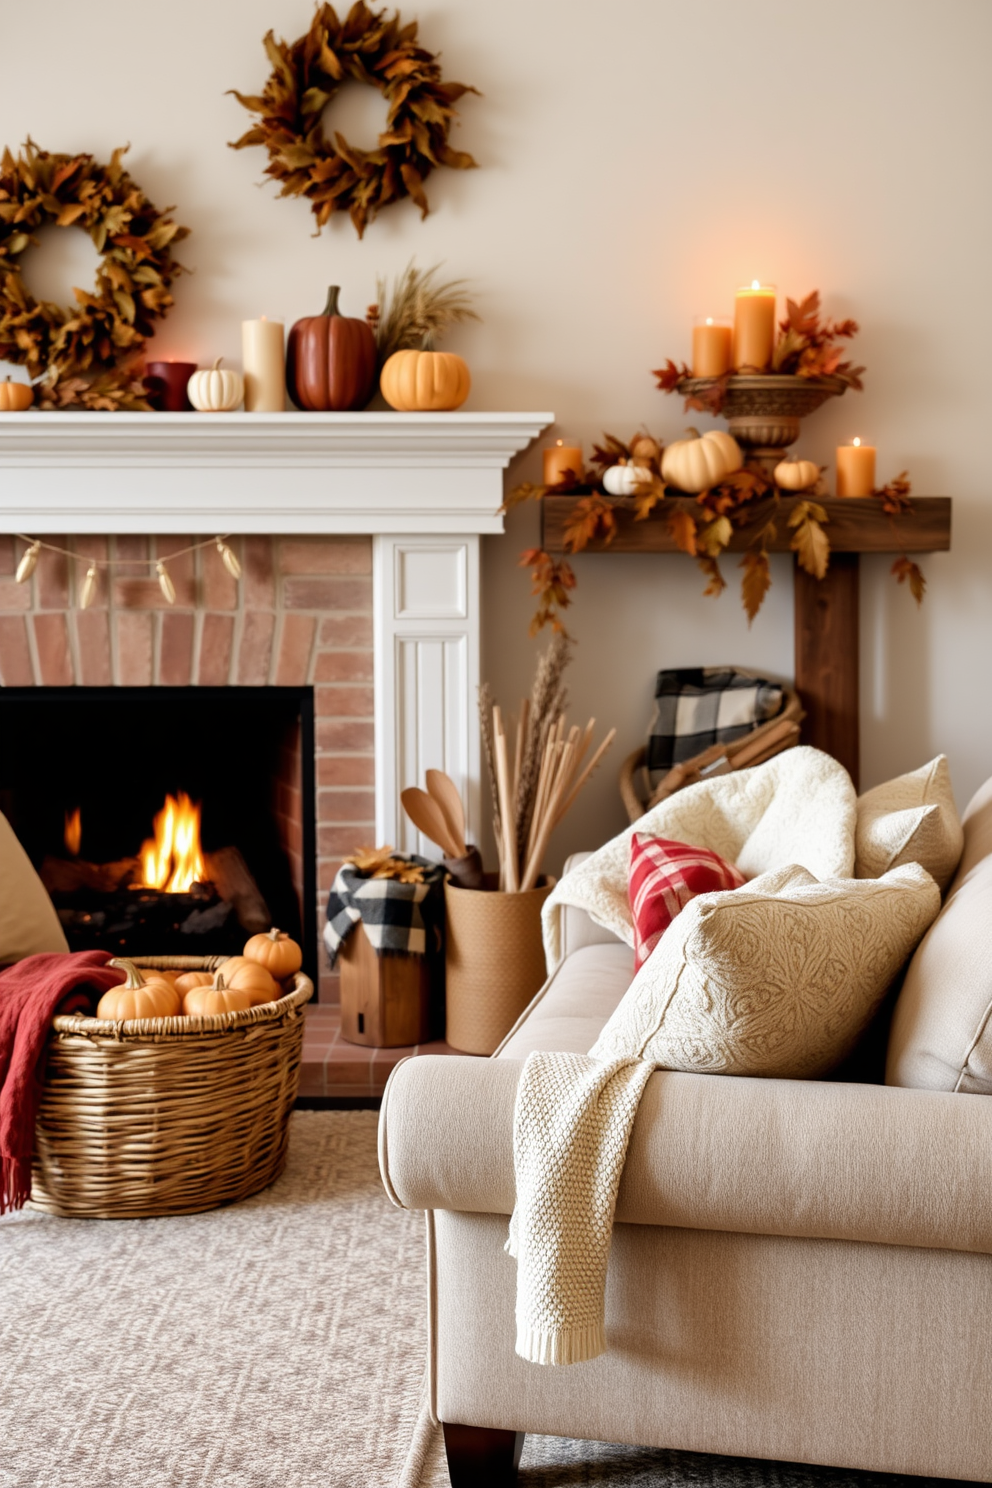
(264, 360)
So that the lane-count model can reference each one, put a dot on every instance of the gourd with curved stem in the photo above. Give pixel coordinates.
(15, 396)
(796, 475)
(330, 360)
(138, 997)
(216, 390)
(219, 997)
(425, 381)
(274, 950)
(246, 975)
(701, 461)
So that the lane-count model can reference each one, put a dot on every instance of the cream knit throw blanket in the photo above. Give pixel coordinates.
(573, 1113)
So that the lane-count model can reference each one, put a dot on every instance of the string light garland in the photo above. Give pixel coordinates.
(90, 583)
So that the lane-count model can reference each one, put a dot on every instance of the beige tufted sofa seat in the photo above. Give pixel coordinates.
(801, 1270)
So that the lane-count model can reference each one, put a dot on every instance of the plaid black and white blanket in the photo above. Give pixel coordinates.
(699, 706)
(399, 918)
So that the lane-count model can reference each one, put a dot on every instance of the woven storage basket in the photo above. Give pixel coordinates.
(157, 1116)
(494, 962)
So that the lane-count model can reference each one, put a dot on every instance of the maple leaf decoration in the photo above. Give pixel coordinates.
(809, 541)
(756, 582)
(593, 520)
(895, 496)
(807, 346)
(381, 862)
(551, 580)
(905, 570)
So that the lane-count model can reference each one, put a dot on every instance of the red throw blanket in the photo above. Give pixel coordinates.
(30, 992)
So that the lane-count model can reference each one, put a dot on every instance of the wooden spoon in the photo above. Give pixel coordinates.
(444, 791)
(428, 818)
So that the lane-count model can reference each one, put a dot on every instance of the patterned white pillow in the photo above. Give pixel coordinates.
(777, 978)
(912, 819)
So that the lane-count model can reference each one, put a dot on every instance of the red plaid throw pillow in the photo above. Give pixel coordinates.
(664, 876)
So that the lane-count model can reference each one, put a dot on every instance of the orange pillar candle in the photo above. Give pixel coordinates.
(855, 469)
(712, 347)
(754, 327)
(559, 458)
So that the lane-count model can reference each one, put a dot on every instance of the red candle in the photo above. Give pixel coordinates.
(167, 383)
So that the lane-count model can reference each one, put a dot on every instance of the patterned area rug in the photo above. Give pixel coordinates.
(278, 1343)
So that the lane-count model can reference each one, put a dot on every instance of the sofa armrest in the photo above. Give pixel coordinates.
(717, 1152)
(578, 929)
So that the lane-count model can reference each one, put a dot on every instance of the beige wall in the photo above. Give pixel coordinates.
(638, 161)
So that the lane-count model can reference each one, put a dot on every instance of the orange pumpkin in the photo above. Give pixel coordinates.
(330, 360)
(276, 952)
(248, 976)
(219, 997)
(138, 997)
(191, 979)
(15, 396)
(425, 381)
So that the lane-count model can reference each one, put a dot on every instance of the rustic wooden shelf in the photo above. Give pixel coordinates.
(826, 610)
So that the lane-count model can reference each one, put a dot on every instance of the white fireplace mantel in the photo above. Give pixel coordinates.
(258, 472)
(427, 486)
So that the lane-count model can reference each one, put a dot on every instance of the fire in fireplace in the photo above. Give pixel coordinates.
(222, 776)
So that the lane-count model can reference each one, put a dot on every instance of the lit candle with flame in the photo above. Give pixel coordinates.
(559, 459)
(712, 347)
(754, 327)
(855, 469)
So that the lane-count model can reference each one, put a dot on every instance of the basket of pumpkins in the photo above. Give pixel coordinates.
(175, 1097)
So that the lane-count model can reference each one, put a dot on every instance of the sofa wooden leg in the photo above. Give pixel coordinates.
(479, 1457)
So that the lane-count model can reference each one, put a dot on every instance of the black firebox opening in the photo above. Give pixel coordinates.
(115, 753)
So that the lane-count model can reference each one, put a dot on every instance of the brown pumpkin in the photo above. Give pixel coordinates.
(274, 950)
(15, 396)
(219, 997)
(246, 975)
(425, 381)
(330, 360)
(191, 979)
(138, 997)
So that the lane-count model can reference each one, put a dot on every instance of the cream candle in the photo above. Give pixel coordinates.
(712, 347)
(560, 458)
(264, 361)
(754, 327)
(855, 469)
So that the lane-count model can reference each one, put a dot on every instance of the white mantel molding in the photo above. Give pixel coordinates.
(430, 473)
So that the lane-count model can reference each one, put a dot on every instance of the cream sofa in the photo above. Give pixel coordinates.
(800, 1271)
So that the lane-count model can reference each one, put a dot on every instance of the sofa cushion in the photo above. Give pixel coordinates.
(777, 978)
(941, 1036)
(28, 922)
(568, 1013)
(912, 819)
(664, 876)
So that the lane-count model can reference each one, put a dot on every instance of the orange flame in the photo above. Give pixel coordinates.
(73, 832)
(173, 859)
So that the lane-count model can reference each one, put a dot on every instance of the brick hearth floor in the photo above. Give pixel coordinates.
(334, 1068)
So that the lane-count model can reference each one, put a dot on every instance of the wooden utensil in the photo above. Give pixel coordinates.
(427, 817)
(442, 789)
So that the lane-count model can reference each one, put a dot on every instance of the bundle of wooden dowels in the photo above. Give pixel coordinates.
(535, 782)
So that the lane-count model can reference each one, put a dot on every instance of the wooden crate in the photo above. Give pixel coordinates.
(385, 1000)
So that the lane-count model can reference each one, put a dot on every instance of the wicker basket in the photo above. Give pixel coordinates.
(158, 1116)
(762, 743)
(494, 962)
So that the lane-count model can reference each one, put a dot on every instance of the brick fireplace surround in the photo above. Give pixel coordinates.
(358, 537)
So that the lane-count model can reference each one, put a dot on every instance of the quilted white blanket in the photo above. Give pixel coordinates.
(574, 1113)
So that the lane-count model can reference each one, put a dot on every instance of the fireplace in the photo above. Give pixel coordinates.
(358, 535)
(86, 771)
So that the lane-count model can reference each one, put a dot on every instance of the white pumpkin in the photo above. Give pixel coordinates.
(796, 475)
(216, 391)
(695, 464)
(626, 480)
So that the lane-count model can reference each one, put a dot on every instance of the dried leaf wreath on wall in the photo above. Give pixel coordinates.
(702, 526)
(87, 355)
(334, 175)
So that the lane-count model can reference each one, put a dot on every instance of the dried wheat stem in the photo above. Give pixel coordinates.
(588, 771)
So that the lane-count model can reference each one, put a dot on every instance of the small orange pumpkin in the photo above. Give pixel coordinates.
(138, 997)
(219, 997)
(191, 979)
(248, 976)
(425, 381)
(15, 396)
(274, 950)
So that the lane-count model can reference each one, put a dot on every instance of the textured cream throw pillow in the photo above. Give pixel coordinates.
(28, 922)
(777, 978)
(912, 819)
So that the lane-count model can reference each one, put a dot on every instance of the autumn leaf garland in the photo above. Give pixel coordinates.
(335, 176)
(87, 354)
